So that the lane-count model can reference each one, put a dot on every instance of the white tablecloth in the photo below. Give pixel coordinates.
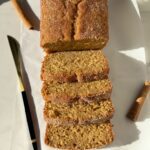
(14, 134)
(126, 54)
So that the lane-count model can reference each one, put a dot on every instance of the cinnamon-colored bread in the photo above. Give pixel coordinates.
(79, 137)
(78, 112)
(73, 24)
(75, 66)
(70, 92)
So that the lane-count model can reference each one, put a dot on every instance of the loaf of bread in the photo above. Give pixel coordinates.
(75, 66)
(73, 24)
(78, 112)
(70, 92)
(79, 137)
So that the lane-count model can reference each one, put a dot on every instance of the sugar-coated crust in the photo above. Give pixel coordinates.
(79, 136)
(73, 20)
(56, 17)
(92, 20)
(98, 69)
(71, 92)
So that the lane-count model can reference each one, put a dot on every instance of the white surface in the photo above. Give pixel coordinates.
(126, 55)
(14, 133)
(11, 106)
(144, 5)
(146, 27)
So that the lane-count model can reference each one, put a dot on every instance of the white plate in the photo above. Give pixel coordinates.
(126, 55)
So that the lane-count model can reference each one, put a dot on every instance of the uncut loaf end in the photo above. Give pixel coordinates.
(73, 24)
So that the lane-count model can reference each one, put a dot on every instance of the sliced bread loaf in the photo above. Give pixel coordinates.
(79, 137)
(70, 92)
(78, 112)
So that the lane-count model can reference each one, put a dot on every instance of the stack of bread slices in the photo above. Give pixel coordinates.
(76, 88)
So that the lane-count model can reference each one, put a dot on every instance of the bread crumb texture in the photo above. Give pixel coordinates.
(78, 112)
(74, 66)
(79, 137)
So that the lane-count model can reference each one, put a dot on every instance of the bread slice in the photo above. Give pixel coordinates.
(70, 92)
(73, 24)
(79, 137)
(78, 112)
(74, 66)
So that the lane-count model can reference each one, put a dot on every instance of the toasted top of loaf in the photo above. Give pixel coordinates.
(79, 136)
(74, 66)
(64, 21)
(68, 92)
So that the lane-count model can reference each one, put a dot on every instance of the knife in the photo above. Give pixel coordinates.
(15, 49)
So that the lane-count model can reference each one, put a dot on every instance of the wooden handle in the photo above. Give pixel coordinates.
(135, 109)
(21, 15)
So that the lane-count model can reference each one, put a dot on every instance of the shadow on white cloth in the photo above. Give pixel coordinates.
(30, 14)
(126, 54)
(3, 1)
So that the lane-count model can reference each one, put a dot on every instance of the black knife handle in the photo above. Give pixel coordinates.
(29, 120)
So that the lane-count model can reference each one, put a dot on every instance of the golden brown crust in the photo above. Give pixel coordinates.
(56, 17)
(78, 112)
(70, 92)
(79, 136)
(77, 66)
(73, 24)
(91, 22)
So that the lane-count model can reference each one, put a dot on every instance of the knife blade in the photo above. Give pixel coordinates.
(15, 49)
